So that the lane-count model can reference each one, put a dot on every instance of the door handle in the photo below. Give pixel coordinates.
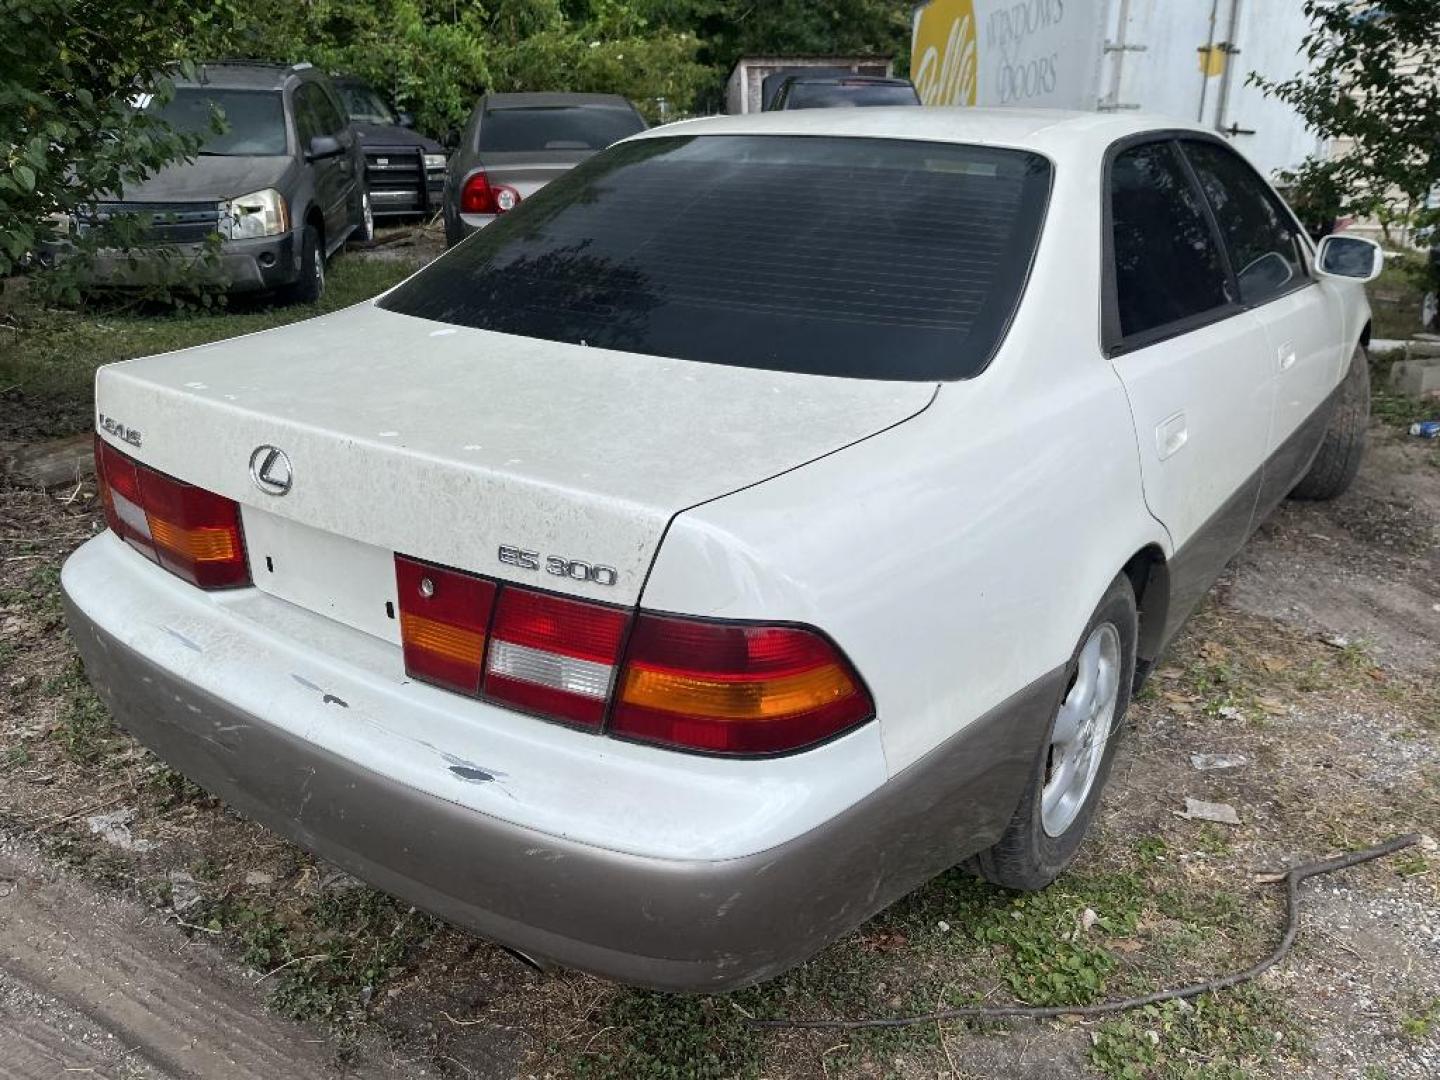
(1287, 356)
(1170, 435)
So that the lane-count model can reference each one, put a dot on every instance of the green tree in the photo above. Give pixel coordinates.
(69, 70)
(1373, 84)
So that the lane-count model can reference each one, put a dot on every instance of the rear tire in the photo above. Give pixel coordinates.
(311, 285)
(364, 231)
(1073, 764)
(1339, 456)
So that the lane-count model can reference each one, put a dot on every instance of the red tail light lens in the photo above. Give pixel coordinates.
(479, 196)
(444, 616)
(734, 689)
(553, 655)
(691, 684)
(193, 533)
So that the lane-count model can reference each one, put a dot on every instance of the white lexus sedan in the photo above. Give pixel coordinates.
(767, 516)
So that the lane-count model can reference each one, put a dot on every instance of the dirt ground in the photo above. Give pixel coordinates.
(146, 931)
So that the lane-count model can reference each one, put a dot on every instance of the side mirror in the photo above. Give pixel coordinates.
(1349, 258)
(323, 146)
(405, 119)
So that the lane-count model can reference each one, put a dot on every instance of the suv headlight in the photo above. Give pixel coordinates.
(261, 213)
(434, 161)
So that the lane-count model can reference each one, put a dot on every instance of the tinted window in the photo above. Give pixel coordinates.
(254, 119)
(1263, 242)
(861, 257)
(332, 119)
(1167, 265)
(307, 118)
(364, 105)
(802, 95)
(569, 127)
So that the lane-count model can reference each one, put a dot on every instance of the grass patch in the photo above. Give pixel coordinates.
(1225, 1036)
(324, 958)
(52, 357)
(85, 731)
(673, 1037)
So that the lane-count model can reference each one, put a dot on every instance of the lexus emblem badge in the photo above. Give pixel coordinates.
(270, 469)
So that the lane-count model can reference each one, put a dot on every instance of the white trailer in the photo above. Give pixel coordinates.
(742, 88)
(1184, 58)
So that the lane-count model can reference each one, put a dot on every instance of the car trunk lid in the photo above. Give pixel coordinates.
(449, 444)
(527, 171)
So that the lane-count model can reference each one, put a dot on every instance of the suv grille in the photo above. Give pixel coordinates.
(399, 183)
(164, 222)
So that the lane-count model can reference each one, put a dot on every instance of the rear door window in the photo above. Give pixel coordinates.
(1263, 241)
(1168, 269)
(872, 258)
(569, 127)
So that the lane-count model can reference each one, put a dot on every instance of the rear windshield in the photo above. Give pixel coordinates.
(254, 120)
(847, 95)
(564, 127)
(869, 258)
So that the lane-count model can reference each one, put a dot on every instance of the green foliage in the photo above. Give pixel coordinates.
(68, 71)
(1221, 1036)
(323, 960)
(1372, 84)
(670, 1037)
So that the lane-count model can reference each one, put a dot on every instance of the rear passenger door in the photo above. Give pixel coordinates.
(1194, 363)
(1303, 330)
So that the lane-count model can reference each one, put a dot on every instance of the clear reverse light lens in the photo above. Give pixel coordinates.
(249, 217)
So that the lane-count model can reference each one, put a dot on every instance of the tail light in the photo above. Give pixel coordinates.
(193, 533)
(734, 688)
(690, 684)
(444, 616)
(553, 655)
(479, 196)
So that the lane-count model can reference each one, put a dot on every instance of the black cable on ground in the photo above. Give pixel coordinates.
(1293, 877)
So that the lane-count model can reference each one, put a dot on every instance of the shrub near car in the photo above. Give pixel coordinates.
(515, 144)
(702, 557)
(283, 184)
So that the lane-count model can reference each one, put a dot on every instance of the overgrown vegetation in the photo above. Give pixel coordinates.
(1371, 85)
(48, 358)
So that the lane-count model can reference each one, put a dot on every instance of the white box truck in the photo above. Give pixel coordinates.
(1185, 58)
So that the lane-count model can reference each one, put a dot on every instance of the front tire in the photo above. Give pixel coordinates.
(311, 284)
(1338, 459)
(1054, 813)
(364, 231)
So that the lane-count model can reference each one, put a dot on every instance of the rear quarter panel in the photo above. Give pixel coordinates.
(957, 557)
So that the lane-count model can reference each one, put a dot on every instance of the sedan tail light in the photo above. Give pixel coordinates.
(690, 684)
(479, 196)
(193, 533)
(444, 617)
(734, 688)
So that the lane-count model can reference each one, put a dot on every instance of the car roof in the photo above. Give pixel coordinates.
(542, 99)
(246, 75)
(1046, 131)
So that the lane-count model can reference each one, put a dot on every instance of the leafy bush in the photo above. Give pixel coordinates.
(68, 70)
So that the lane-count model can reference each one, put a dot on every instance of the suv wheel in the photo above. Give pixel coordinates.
(1055, 811)
(364, 233)
(311, 285)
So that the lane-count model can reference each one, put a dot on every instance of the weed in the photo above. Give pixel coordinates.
(1422, 1022)
(1217, 1037)
(1150, 850)
(325, 959)
(85, 730)
(675, 1038)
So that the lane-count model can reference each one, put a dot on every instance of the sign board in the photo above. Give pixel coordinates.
(1036, 53)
